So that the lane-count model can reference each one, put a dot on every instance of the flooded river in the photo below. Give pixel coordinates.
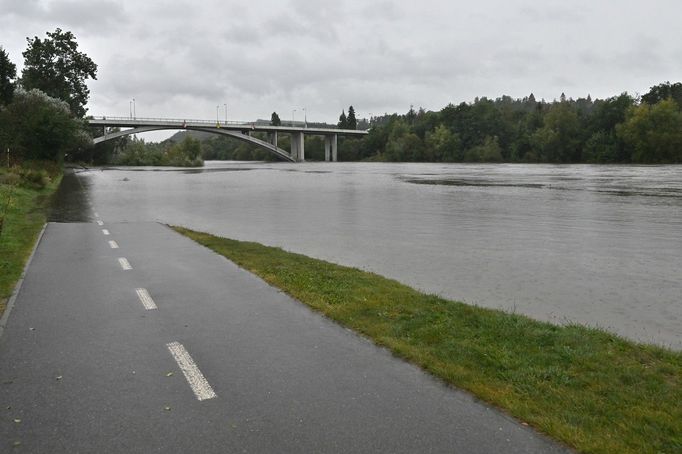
(597, 245)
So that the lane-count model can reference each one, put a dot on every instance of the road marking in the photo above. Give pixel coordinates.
(113, 244)
(192, 373)
(106, 232)
(100, 223)
(124, 263)
(146, 299)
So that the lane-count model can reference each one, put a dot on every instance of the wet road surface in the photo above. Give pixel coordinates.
(127, 337)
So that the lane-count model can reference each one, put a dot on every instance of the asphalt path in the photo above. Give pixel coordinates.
(177, 350)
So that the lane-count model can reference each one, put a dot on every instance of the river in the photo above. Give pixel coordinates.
(596, 245)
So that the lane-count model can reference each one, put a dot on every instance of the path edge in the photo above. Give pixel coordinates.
(17, 287)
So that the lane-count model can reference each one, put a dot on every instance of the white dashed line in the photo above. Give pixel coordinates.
(124, 264)
(100, 223)
(146, 299)
(106, 232)
(192, 373)
(113, 244)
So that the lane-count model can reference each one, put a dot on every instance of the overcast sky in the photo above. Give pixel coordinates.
(182, 59)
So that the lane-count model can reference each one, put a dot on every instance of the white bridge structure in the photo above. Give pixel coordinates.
(236, 129)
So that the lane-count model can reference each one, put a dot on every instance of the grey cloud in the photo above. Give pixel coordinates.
(381, 56)
(243, 34)
(87, 15)
(81, 15)
(23, 8)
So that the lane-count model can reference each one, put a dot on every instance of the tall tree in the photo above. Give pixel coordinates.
(343, 121)
(351, 121)
(55, 66)
(274, 120)
(8, 72)
(39, 127)
(653, 133)
(664, 91)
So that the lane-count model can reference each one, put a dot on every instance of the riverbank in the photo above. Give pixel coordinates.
(588, 388)
(24, 195)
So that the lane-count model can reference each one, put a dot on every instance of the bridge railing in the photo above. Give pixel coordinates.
(204, 122)
(174, 120)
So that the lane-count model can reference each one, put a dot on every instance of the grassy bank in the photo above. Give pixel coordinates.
(588, 388)
(23, 201)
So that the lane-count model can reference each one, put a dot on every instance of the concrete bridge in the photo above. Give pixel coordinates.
(236, 129)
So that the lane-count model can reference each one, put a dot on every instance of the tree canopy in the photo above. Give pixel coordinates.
(619, 129)
(55, 66)
(8, 73)
(664, 91)
(274, 120)
(351, 121)
(343, 120)
(38, 127)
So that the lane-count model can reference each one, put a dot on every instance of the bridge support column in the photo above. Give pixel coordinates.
(298, 146)
(330, 146)
(272, 136)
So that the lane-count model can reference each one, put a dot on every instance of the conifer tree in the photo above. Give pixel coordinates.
(8, 72)
(351, 121)
(343, 121)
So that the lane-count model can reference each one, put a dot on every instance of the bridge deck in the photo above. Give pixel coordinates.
(173, 123)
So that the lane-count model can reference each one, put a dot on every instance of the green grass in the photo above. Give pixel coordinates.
(24, 213)
(585, 387)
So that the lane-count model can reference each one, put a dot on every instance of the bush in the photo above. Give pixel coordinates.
(34, 179)
(10, 179)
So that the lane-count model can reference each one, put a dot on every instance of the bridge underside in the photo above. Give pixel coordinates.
(297, 148)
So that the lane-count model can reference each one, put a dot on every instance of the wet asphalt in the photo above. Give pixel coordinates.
(85, 367)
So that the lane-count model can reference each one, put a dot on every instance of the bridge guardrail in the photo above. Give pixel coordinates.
(203, 122)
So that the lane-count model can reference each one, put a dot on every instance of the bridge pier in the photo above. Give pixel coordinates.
(272, 138)
(298, 146)
(330, 146)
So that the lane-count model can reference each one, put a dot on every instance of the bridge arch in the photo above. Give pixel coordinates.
(274, 149)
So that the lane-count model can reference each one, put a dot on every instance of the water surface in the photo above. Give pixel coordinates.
(598, 245)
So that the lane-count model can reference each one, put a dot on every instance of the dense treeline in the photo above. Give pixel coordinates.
(41, 111)
(620, 129)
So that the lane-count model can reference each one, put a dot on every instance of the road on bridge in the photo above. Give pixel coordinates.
(131, 338)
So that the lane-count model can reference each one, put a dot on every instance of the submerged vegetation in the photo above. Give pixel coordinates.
(139, 153)
(588, 388)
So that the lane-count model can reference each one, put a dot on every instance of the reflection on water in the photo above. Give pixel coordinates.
(559, 243)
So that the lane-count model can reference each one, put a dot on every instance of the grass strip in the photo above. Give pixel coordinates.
(24, 211)
(588, 388)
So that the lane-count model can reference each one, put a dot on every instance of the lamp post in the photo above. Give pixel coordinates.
(134, 112)
(130, 106)
(305, 118)
(217, 120)
(293, 117)
(225, 113)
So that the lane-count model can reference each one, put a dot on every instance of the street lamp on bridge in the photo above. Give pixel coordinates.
(225, 113)
(293, 117)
